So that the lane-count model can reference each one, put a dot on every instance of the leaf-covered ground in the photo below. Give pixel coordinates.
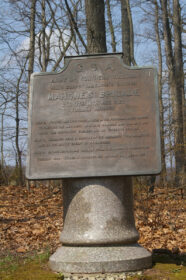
(29, 220)
(32, 220)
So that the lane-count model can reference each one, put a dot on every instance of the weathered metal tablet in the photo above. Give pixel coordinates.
(97, 117)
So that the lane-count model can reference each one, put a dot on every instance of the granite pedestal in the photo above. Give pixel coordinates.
(99, 234)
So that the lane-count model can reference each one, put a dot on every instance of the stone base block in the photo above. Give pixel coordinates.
(100, 259)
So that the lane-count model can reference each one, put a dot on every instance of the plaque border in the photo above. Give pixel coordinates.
(67, 60)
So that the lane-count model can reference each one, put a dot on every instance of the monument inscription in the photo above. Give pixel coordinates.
(97, 117)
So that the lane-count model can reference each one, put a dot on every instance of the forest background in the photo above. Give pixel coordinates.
(36, 35)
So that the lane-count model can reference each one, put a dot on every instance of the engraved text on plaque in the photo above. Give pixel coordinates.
(97, 117)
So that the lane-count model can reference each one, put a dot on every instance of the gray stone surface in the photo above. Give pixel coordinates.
(99, 234)
(101, 276)
(100, 259)
(98, 211)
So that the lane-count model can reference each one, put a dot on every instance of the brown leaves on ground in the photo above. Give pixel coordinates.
(161, 219)
(29, 220)
(32, 220)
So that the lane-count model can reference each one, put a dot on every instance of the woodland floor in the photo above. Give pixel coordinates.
(31, 221)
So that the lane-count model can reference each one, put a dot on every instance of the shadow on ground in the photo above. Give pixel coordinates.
(166, 266)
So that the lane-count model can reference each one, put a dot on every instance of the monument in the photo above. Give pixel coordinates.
(94, 125)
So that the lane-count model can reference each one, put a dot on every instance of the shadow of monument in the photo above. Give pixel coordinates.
(168, 257)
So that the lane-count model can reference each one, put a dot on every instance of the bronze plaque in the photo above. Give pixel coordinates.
(97, 117)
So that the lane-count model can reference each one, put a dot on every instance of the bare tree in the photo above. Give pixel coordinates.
(19, 167)
(32, 39)
(127, 33)
(74, 24)
(160, 70)
(95, 22)
(175, 69)
(111, 26)
(3, 177)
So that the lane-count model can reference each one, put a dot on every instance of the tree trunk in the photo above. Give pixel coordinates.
(19, 171)
(31, 52)
(174, 69)
(163, 174)
(127, 33)
(3, 177)
(111, 27)
(32, 42)
(43, 36)
(95, 22)
(179, 78)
